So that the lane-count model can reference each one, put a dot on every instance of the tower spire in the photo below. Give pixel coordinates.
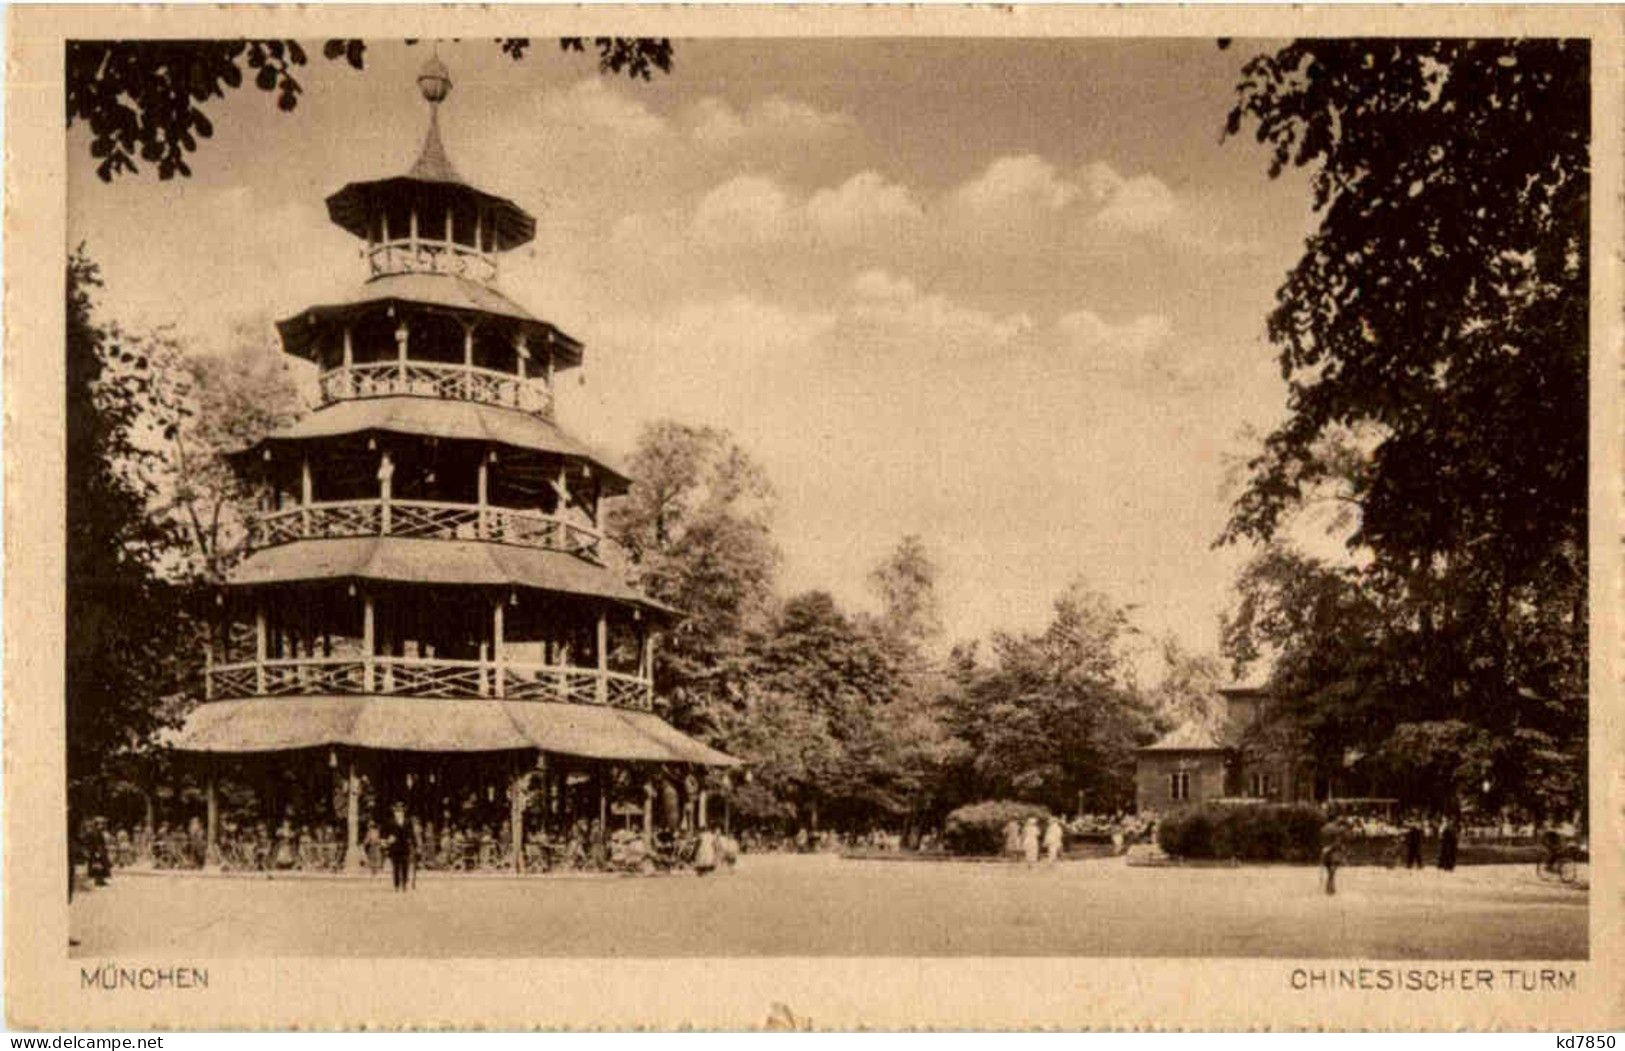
(434, 81)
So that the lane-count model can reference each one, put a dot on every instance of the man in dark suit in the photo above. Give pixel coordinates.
(399, 834)
(1413, 844)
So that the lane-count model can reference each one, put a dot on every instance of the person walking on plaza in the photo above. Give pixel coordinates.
(1052, 840)
(400, 845)
(1413, 844)
(1331, 852)
(1029, 841)
(1449, 839)
(705, 853)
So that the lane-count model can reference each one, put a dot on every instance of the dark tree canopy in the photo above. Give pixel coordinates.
(144, 99)
(1444, 297)
(129, 642)
(1440, 314)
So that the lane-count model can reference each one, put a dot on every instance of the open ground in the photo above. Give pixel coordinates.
(785, 905)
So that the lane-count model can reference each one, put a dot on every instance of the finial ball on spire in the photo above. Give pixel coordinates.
(434, 81)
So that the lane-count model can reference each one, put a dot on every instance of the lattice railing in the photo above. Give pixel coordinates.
(431, 257)
(336, 519)
(423, 519)
(429, 677)
(377, 379)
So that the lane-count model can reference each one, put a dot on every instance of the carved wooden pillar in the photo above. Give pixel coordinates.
(368, 645)
(602, 691)
(260, 644)
(353, 859)
(497, 647)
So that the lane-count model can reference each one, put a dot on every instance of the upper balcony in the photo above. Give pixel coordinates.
(432, 379)
(424, 520)
(417, 256)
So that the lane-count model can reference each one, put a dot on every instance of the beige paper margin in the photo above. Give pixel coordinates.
(43, 985)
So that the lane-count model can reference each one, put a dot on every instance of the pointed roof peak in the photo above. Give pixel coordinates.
(432, 164)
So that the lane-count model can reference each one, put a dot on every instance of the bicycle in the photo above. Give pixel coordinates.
(1561, 864)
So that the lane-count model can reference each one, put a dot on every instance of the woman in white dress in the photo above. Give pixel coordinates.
(1052, 840)
(1029, 841)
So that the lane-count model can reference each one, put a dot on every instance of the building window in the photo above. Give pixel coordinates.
(1179, 785)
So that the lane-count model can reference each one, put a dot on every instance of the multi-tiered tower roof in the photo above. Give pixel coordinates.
(427, 573)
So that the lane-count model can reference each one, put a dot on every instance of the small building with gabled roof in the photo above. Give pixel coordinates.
(1196, 763)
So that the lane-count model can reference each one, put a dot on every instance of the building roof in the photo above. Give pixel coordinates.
(353, 207)
(424, 561)
(1187, 737)
(447, 291)
(441, 418)
(274, 724)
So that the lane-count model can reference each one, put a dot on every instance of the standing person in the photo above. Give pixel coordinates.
(1331, 851)
(705, 853)
(1053, 837)
(1029, 841)
(1413, 844)
(399, 837)
(1449, 839)
(1012, 839)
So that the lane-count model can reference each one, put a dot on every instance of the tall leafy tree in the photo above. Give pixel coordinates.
(224, 402)
(697, 529)
(840, 671)
(130, 641)
(1440, 311)
(1057, 714)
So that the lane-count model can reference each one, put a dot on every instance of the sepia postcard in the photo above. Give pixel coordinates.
(813, 518)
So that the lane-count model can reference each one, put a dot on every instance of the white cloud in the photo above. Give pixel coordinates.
(862, 208)
(1010, 185)
(1088, 334)
(1130, 205)
(591, 106)
(891, 312)
(879, 284)
(743, 209)
(717, 125)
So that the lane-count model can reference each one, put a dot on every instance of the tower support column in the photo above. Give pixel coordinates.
(211, 831)
(307, 490)
(260, 643)
(386, 483)
(500, 688)
(368, 645)
(353, 859)
(516, 817)
(602, 687)
(483, 489)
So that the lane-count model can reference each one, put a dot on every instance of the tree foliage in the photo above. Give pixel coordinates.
(144, 99)
(697, 529)
(129, 636)
(1057, 713)
(223, 403)
(1439, 316)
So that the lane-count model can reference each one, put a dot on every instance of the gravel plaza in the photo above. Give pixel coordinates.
(789, 905)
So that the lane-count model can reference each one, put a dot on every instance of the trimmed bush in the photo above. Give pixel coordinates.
(1267, 832)
(979, 827)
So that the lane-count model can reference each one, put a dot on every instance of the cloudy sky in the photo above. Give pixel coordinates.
(1009, 295)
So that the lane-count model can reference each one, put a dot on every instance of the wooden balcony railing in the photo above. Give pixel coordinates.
(430, 379)
(423, 519)
(430, 257)
(429, 677)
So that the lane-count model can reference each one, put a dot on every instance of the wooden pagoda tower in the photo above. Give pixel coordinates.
(426, 595)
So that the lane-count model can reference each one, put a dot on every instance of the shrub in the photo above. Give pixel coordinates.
(979, 827)
(1267, 832)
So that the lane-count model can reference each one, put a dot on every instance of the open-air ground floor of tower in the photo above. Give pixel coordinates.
(823, 905)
